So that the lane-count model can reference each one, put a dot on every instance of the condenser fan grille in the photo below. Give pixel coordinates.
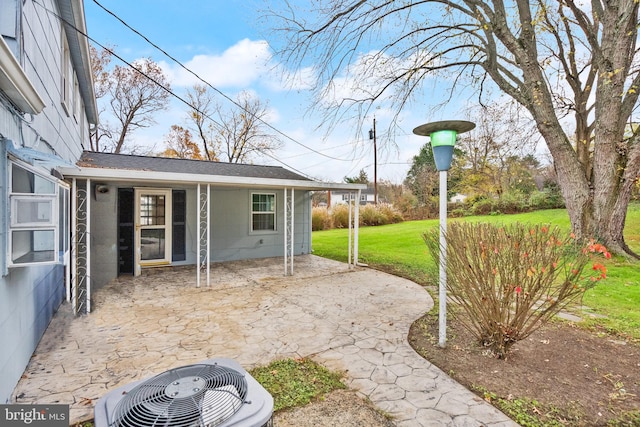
(195, 395)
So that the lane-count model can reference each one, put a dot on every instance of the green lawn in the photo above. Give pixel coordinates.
(399, 249)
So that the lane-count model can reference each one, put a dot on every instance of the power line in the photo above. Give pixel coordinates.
(213, 87)
(112, 52)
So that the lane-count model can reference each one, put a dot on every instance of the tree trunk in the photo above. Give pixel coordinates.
(614, 225)
(594, 184)
(611, 193)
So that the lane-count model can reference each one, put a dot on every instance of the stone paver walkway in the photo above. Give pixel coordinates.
(353, 320)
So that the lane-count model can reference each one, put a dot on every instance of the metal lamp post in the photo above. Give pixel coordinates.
(443, 138)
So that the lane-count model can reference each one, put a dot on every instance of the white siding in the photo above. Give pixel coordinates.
(43, 65)
(30, 295)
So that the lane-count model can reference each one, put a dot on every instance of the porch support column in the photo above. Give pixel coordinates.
(292, 233)
(208, 235)
(79, 291)
(204, 233)
(88, 242)
(288, 232)
(285, 240)
(356, 224)
(198, 237)
(350, 228)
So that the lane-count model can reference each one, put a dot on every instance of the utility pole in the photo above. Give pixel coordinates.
(372, 136)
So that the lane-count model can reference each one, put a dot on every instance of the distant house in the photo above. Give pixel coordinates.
(341, 197)
(47, 105)
(458, 198)
(72, 219)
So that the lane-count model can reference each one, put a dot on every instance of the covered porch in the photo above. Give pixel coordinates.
(133, 214)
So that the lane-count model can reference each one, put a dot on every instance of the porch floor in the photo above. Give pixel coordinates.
(354, 320)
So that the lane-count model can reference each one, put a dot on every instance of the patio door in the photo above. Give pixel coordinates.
(152, 227)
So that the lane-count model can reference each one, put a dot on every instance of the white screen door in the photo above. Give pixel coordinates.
(153, 227)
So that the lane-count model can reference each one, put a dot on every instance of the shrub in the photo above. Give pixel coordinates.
(457, 212)
(482, 207)
(512, 202)
(406, 203)
(340, 216)
(546, 199)
(390, 213)
(510, 280)
(380, 214)
(320, 219)
(369, 215)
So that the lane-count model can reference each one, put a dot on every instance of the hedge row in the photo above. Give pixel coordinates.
(338, 216)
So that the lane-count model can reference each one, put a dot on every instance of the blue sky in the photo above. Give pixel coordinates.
(220, 41)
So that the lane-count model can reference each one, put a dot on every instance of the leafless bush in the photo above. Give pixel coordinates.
(510, 280)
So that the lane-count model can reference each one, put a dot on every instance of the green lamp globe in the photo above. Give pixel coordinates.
(443, 136)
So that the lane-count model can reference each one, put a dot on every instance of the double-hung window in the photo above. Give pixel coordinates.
(263, 212)
(35, 223)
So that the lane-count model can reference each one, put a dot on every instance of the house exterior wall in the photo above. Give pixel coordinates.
(104, 234)
(458, 198)
(29, 295)
(231, 236)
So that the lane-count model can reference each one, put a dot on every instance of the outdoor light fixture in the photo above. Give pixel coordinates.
(443, 138)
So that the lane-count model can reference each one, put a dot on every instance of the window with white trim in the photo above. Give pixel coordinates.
(34, 226)
(263, 212)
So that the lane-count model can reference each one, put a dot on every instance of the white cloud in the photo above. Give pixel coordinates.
(242, 65)
(237, 67)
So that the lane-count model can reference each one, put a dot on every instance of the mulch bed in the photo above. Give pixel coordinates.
(579, 377)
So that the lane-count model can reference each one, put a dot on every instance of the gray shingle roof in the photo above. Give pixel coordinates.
(200, 167)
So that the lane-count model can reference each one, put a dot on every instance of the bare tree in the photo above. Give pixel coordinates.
(202, 104)
(100, 61)
(505, 136)
(136, 92)
(235, 135)
(573, 66)
(180, 144)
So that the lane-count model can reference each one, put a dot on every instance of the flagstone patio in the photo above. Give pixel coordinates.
(350, 319)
